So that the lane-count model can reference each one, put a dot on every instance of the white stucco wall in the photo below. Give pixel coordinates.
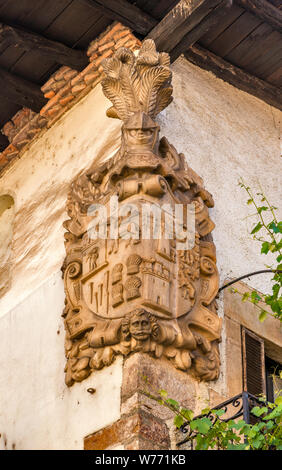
(224, 133)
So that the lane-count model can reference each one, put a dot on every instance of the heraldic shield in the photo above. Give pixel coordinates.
(137, 283)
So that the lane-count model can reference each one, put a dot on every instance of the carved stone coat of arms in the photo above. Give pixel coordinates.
(128, 293)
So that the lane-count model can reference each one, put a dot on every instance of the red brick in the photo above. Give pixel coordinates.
(76, 80)
(41, 121)
(92, 47)
(130, 44)
(54, 110)
(70, 74)
(104, 56)
(10, 151)
(90, 77)
(58, 85)
(22, 143)
(89, 69)
(32, 132)
(66, 100)
(78, 88)
(64, 91)
(122, 41)
(22, 117)
(93, 57)
(52, 102)
(110, 33)
(47, 86)
(106, 46)
(3, 160)
(60, 74)
(49, 94)
(120, 35)
(8, 128)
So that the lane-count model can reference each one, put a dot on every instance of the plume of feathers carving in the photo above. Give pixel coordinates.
(141, 83)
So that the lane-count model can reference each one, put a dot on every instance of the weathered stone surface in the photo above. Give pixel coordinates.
(143, 374)
(140, 431)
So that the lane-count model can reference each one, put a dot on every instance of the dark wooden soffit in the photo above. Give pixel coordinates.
(181, 20)
(125, 12)
(186, 24)
(27, 41)
(264, 10)
(234, 75)
(182, 28)
(207, 23)
(20, 91)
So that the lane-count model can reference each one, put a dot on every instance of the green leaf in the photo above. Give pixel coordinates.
(201, 424)
(172, 402)
(256, 228)
(249, 201)
(262, 208)
(239, 424)
(188, 414)
(265, 248)
(255, 297)
(278, 401)
(178, 421)
(269, 425)
(205, 411)
(258, 441)
(219, 412)
(262, 316)
(245, 296)
(275, 228)
(258, 411)
(163, 393)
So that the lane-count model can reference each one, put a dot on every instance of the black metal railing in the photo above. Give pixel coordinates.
(235, 407)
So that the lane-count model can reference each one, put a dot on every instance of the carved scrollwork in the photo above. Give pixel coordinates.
(73, 270)
(140, 294)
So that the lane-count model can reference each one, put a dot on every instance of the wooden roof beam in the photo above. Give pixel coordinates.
(265, 11)
(29, 41)
(202, 28)
(180, 20)
(21, 91)
(235, 76)
(123, 11)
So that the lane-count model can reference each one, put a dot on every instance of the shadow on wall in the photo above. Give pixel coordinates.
(7, 214)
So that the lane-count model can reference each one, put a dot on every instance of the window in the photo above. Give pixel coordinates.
(273, 380)
(260, 373)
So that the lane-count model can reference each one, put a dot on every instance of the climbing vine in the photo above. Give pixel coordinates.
(207, 431)
(267, 231)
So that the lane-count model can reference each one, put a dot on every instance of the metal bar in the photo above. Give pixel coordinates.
(246, 399)
(246, 407)
(273, 271)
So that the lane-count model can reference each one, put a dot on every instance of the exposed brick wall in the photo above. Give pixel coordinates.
(64, 89)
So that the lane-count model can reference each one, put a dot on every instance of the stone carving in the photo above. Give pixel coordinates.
(128, 294)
